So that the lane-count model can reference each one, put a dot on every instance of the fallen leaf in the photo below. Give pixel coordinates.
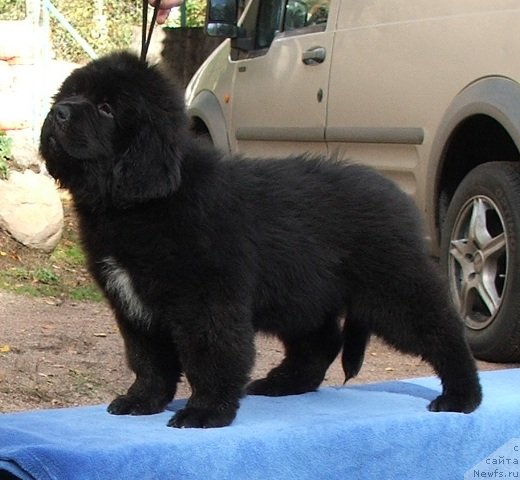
(5, 349)
(389, 369)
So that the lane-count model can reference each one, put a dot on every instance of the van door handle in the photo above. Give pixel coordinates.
(314, 56)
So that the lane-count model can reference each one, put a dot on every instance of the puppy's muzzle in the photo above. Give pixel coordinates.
(61, 113)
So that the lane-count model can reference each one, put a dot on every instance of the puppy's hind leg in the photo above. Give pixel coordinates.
(307, 358)
(417, 317)
(158, 370)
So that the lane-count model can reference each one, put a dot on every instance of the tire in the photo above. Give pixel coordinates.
(480, 255)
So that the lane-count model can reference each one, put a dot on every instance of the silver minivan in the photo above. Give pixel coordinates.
(427, 92)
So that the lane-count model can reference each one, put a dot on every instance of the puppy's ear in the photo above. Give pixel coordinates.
(148, 170)
(152, 134)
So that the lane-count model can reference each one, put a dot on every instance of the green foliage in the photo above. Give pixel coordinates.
(69, 252)
(38, 275)
(105, 24)
(108, 25)
(12, 9)
(195, 14)
(86, 293)
(5, 154)
(46, 276)
(23, 281)
(61, 274)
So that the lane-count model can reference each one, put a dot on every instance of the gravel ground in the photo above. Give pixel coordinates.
(57, 354)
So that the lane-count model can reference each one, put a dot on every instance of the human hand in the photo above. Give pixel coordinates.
(165, 9)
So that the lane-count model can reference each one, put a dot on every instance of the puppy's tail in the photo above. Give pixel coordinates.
(355, 339)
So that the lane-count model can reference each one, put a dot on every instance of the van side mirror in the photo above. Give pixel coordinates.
(221, 18)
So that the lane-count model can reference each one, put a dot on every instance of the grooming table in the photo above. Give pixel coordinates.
(377, 431)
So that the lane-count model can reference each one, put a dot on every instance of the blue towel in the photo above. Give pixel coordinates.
(377, 431)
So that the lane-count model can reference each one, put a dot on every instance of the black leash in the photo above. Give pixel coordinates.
(146, 34)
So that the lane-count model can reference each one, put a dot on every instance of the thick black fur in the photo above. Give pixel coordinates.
(197, 251)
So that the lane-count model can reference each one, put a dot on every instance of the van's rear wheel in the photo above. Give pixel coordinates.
(480, 254)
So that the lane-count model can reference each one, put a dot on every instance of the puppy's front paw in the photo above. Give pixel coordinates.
(191, 417)
(129, 405)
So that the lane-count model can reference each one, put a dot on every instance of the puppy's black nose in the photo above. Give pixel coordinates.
(61, 113)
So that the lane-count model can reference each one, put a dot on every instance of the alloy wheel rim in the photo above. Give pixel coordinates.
(477, 261)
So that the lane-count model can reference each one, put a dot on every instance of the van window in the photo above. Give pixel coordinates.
(269, 22)
(305, 13)
(276, 16)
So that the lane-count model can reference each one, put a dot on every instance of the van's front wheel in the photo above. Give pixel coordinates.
(480, 254)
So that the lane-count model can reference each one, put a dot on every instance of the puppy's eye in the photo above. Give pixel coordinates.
(105, 109)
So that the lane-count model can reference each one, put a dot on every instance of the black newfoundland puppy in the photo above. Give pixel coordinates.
(197, 251)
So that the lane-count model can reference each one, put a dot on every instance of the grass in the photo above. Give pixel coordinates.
(5, 154)
(61, 274)
(87, 293)
(43, 282)
(83, 382)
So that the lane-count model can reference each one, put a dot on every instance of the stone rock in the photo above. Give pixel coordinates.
(15, 115)
(11, 48)
(24, 150)
(21, 41)
(6, 77)
(31, 210)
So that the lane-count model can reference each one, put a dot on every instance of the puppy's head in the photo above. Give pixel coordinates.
(115, 133)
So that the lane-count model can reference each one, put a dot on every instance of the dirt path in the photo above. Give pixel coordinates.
(63, 354)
